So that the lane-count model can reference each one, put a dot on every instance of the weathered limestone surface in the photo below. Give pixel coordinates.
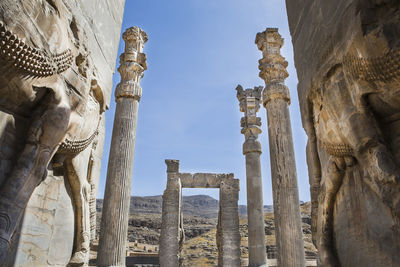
(228, 235)
(45, 236)
(203, 180)
(114, 223)
(172, 235)
(347, 56)
(57, 59)
(249, 100)
(276, 100)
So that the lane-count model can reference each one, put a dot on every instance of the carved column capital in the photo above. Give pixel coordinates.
(249, 102)
(272, 66)
(132, 64)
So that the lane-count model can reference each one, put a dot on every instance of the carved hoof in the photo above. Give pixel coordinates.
(79, 258)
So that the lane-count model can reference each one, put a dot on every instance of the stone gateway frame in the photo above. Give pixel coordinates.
(172, 235)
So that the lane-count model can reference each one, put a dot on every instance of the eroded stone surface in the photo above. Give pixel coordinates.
(46, 235)
(347, 61)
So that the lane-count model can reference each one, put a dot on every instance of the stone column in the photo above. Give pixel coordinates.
(171, 238)
(228, 235)
(276, 100)
(249, 100)
(114, 222)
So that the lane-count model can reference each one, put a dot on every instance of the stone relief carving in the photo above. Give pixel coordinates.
(48, 81)
(349, 95)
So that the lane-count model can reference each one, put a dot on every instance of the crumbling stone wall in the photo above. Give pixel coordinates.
(347, 56)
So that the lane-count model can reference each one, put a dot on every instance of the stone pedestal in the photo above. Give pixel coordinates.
(114, 223)
(249, 100)
(276, 100)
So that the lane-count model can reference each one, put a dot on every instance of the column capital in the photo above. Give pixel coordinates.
(249, 102)
(134, 33)
(272, 66)
(132, 64)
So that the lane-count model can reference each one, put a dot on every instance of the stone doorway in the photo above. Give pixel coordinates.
(172, 233)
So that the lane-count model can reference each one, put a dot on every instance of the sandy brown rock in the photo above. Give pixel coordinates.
(347, 56)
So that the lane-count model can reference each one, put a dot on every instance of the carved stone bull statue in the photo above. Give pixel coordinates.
(46, 78)
(347, 55)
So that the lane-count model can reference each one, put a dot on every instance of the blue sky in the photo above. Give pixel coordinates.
(197, 53)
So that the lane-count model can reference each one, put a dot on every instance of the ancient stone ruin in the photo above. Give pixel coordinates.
(114, 226)
(56, 62)
(347, 56)
(249, 102)
(172, 237)
(276, 100)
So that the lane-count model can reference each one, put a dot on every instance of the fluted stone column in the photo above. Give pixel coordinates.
(228, 235)
(276, 100)
(172, 236)
(249, 100)
(114, 221)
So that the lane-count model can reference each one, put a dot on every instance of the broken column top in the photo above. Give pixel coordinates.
(249, 102)
(132, 64)
(134, 38)
(271, 37)
(135, 35)
(172, 165)
(249, 99)
(272, 66)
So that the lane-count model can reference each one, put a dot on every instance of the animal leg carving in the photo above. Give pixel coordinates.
(370, 150)
(77, 176)
(329, 188)
(46, 133)
(314, 170)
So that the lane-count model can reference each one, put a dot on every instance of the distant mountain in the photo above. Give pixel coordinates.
(197, 205)
(200, 213)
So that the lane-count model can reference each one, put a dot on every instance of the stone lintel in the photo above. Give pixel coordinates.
(203, 180)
